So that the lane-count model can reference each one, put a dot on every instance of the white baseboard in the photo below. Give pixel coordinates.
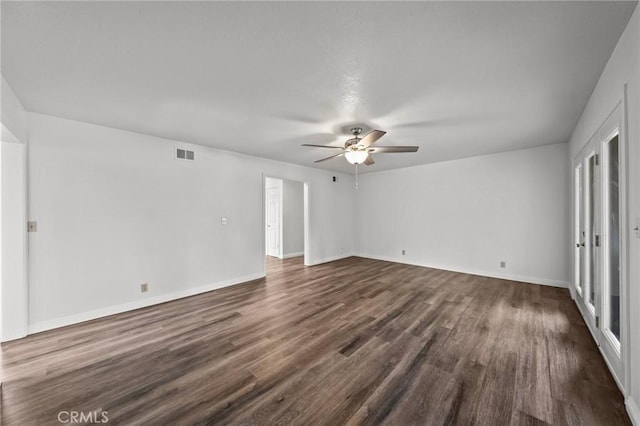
(14, 335)
(491, 274)
(288, 255)
(150, 301)
(633, 410)
(329, 259)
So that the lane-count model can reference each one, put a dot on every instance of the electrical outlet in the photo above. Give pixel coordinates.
(32, 226)
(503, 264)
(404, 252)
(144, 288)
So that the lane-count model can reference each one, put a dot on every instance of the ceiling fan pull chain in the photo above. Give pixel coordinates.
(356, 176)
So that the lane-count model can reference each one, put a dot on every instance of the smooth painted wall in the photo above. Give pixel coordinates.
(13, 238)
(115, 209)
(623, 68)
(469, 215)
(292, 218)
(13, 276)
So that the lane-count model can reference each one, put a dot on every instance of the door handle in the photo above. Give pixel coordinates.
(579, 245)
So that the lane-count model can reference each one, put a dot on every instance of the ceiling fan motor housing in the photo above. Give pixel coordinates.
(351, 143)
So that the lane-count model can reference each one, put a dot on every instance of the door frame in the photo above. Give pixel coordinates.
(617, 361)
(306, 213)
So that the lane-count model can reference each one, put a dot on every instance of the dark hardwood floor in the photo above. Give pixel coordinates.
(355, 341)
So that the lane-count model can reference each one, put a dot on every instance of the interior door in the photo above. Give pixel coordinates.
(612, 250)
(586, 235)
(578, 230)
(273, 222)
(598, 239)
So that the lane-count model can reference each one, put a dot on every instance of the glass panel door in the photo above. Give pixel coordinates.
(579, 235)
(586, 224)
(599, 272)
(611, 288)
(612, 251)
(591, 236)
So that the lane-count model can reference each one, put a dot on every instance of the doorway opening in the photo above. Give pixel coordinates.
(285, 218)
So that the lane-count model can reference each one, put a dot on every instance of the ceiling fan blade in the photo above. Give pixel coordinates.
(371, 138)
(377, 149)
(322, 146)
(329, 158)
(369, 161)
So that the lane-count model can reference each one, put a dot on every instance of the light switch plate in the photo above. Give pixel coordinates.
(223, 220)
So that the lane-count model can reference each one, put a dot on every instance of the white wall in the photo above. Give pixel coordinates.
(292, 218)
(468, 215)
(13, 237)
(623, 68)
(12, 115)
(13, 249)
(115, 210)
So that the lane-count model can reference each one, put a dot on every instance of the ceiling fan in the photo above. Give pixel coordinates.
(357, 149)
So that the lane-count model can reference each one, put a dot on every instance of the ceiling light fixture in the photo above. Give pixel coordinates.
(356, 156)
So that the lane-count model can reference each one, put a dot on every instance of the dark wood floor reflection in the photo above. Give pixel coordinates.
(355, 341)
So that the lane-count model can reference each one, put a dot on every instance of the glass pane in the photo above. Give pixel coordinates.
(591, 165)
(579, 262)
(612, 219)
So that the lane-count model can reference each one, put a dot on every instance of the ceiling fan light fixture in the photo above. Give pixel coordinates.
(356, 157)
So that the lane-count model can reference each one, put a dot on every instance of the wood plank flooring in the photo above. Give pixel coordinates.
(352, 342)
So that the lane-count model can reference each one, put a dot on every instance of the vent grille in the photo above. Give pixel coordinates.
(184, 154)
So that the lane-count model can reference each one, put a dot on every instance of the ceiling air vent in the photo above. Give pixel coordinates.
(184, 154)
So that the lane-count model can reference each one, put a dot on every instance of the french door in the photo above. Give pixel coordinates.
(598, 259)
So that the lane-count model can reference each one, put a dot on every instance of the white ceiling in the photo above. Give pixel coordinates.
(458, 79)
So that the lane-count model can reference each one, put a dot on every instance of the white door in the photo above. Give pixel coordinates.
(586, 238)
(273, 217)
(612, 250)
(598, 238)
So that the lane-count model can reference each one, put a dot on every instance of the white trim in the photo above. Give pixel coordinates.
(633, 410)
(625, 308)
(296, 254)
(130, 306)
(329, 259)
(510, 277)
